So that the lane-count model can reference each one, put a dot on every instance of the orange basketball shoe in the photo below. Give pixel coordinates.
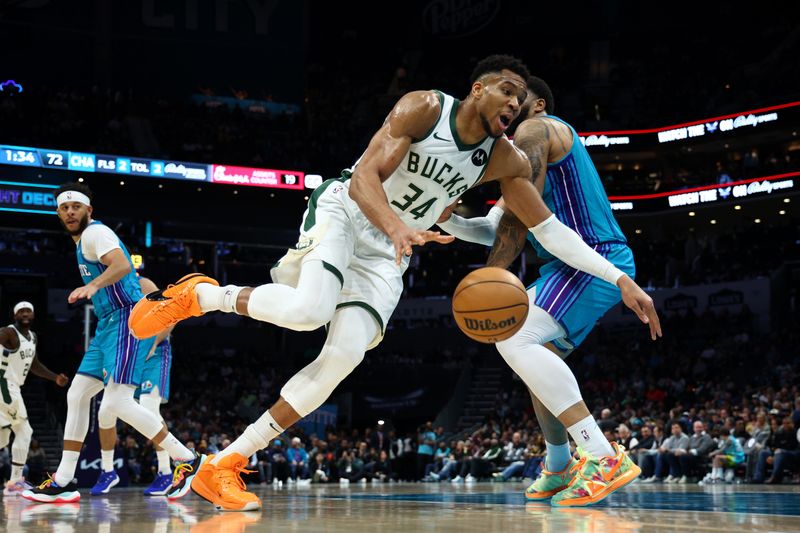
(161, 309)
(222, 485)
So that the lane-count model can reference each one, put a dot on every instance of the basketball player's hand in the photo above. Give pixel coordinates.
(640, 303)
(62, 380)
(87, 291)
(404, 238)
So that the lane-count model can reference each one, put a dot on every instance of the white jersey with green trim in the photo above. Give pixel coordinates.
(436, 170)
(15, 365)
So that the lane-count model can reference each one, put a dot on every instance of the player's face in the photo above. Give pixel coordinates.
(501, 97)
(24, 317)
(74, 216)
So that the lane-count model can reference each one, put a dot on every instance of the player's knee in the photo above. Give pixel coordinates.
(510, 350)
(23, 432)
(106, 416)
(309, 318)
(341, 361)
(77, 395)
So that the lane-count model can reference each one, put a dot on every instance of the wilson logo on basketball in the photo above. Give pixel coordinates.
(488, 324)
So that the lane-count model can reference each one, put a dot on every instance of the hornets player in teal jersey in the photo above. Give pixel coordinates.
(153, 390)
(565, 303)
(115, 360)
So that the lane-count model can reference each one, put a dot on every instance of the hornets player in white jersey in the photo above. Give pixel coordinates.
(19, 357)
(355, 241)
(565, 303)
(115, 359)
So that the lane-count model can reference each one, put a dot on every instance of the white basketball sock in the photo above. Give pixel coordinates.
(66, 468)
(213, 298)
(256, 437)
(176, 449)
(107, 460)
(164, 466)
(586, 434)
(16, 471)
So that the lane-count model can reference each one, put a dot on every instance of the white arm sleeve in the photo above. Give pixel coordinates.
(97, 240)
(568, 246)
(480, 230)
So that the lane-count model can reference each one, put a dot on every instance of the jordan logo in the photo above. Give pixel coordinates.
(585, 434)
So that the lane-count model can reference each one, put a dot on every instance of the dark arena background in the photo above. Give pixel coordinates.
(203, 129)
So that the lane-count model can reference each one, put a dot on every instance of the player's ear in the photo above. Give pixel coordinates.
(89, 210)
(477, 90)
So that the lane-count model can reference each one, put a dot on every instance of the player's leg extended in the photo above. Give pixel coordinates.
(351, 332)
(540, 328)
(118, 402)
(552, 382)
(309, 278)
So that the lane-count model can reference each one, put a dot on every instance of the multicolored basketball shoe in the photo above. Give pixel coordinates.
(548, 484)
(183, 474)
(596, 478)
(50, 492)
(164, 308)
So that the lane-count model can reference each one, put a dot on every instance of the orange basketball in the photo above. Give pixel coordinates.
(490, 304)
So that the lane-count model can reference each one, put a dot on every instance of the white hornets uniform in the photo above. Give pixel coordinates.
(437, 169)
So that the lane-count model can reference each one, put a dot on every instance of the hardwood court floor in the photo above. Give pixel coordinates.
(480, 508)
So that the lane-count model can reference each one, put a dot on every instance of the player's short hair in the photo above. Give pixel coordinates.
(497, 63)
(74, 186)
(540, 88)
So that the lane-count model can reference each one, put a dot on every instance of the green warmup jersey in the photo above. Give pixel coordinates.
(437, 169)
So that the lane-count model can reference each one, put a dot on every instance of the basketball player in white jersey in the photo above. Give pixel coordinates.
(19, 357)
(355, 240)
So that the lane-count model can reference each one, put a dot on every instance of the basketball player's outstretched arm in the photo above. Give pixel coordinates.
(524, 200)
(411, 118)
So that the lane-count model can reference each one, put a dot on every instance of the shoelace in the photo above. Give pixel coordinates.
(179, 470)
(234, 475)
(169, 314)
(47, 482)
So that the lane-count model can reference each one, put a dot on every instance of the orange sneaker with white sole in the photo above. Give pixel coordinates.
(164, 308)
(221, 484)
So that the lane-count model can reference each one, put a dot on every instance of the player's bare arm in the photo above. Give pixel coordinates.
(542, 141)
(118, 267)
(411, 118)
(509, 240)
(38, 369)
(532, 143)
(9, 339)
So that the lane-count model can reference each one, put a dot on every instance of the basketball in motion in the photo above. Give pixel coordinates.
(490, 304)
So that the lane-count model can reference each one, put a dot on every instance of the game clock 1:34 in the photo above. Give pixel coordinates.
(19, 156)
